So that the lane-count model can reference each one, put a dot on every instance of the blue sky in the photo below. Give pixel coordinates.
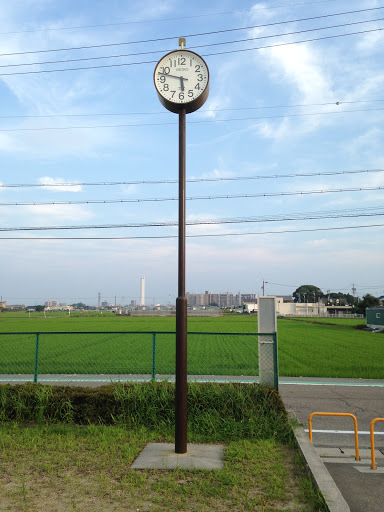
(274, 114)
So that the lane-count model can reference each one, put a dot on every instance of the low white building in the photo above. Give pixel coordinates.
(302, 308)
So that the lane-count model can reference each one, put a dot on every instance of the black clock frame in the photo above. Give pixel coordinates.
(188, 106)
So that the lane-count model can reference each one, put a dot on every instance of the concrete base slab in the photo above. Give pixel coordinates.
(345, 460)
(364, 453)
(163, 456)
(370, 470)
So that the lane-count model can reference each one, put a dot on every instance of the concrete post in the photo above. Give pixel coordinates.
(267, 323)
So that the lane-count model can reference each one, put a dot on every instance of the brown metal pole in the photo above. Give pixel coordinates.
(181, 308)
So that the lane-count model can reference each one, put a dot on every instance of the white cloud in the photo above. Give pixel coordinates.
(301, 66)
(129, 189)
(152, 9)
(260, 13)
(46, 180)
(323, 242)
(216, 173)
(8, 144)
(369, 144)
(54, 213)
(51, 144)
(371, 41)
(273, 130)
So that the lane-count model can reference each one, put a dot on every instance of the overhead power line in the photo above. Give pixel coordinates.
(203, 55)
(339, 228)
(200, 121)
(162, 112)
(279, 284)
(359, 212)
(175, 37)
(102, 57)
(190, 180)
(154, 20)
(165, 199)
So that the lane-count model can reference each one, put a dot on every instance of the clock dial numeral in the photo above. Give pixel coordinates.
(190, 93)
(166, 87)
(197, 86)
(173, 93)
(162, 79)
(181, 96)
(197, 68)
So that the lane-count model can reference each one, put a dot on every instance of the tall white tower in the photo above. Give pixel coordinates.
(142, 293)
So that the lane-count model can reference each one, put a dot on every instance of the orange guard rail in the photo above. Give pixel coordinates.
(357, 457)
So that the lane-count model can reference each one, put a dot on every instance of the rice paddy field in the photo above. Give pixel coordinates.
(106, 344)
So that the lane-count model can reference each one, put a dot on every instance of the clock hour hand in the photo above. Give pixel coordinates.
(182, 82)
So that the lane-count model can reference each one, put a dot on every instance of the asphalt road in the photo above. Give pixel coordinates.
(362, 398)
(334, 439)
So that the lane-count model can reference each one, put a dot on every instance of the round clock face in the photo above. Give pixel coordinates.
(182, 80)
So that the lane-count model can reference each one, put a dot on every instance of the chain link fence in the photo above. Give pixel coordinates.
(70, 357)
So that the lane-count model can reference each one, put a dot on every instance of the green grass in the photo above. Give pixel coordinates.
(81, 469)
(59, 466)
(320, 350)
(307, 347)
(347, 322)
(11, 322)
(216, 412)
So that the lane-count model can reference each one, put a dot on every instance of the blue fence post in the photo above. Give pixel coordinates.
(154, 355)
(36, 358)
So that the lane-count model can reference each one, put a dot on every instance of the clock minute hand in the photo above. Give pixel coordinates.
(172, 76)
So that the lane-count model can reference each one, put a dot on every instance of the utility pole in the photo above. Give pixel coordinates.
(98, 299)
(263, 287)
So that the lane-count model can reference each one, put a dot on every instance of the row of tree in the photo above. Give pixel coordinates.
(311, 293)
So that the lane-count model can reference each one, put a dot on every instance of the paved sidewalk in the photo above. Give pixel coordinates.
(333, 437)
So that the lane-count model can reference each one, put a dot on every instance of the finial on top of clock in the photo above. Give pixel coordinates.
(182, 42)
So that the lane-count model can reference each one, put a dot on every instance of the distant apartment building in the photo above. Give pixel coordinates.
(51, 304)
(223, 300)
(106, 304)
(54, 305)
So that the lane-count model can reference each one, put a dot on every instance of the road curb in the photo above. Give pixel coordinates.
(321, 476)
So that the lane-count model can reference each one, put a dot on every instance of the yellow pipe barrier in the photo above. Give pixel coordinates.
(357, 457)
(373, 460)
